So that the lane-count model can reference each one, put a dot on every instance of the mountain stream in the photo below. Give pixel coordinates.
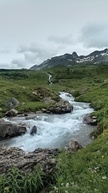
(54, 131)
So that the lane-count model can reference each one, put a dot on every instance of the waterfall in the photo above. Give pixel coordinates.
(49, 78)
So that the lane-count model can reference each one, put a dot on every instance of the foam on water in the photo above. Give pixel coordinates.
(53, 130)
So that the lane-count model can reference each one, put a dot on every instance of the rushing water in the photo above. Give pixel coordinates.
(49, 78)
(54, 130)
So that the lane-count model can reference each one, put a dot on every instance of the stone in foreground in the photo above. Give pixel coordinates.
(74, 145)
(26, 162)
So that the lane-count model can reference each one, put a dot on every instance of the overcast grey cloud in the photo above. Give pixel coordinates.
(32, 31)
(95, 35)
(34, 53)
(62, 39)
(4, 51)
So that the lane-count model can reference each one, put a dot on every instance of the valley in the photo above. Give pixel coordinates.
(84, 170)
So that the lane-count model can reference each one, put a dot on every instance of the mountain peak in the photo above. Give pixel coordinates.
(74, 55)
(95, 57)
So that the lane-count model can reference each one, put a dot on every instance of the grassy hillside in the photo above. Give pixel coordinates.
(87, 170)
(28, 87)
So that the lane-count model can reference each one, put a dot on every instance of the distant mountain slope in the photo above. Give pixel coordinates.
(70, 59)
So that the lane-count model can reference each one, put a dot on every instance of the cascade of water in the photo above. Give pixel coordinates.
(49, 78)
(54, 130)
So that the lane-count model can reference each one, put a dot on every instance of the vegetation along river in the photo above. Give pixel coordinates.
(54, 131)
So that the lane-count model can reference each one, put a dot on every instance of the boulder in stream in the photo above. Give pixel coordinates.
(90, 120)
(8, 130)
(61, 107)
(30, 116)
(33, 130)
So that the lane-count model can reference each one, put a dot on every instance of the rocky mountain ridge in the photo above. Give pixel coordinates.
(71, 59)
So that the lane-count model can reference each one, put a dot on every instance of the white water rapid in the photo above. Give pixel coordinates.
(49, 78)
(54, 130)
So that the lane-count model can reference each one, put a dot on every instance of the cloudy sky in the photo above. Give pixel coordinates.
(32, 31)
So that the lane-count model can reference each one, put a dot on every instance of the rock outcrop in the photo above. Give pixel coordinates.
(26, 161)
(8, 130)
(15, 157)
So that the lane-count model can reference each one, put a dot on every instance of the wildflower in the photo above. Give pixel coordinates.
(96, 190)
(6, 189)
(56, 189)
(102, 156)
(104, 177)
(67, 185)
(96, 168)
(66, 191)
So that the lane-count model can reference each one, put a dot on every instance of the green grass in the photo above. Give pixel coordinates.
(87, 170)
(17, 182)
(28, 87)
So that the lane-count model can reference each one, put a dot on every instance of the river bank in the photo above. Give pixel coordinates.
(53, 131)
(42, 148)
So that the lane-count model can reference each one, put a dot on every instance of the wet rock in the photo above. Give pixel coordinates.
(73, 146)
(9, 130)
(60, 108)
(91, 120)
(38, 112)
(33, 130)
(68, 95)
(30, 117)
(11, 113)
(44, 110)
(12, 103)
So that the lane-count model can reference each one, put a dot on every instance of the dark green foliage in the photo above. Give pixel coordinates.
(17, 182)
